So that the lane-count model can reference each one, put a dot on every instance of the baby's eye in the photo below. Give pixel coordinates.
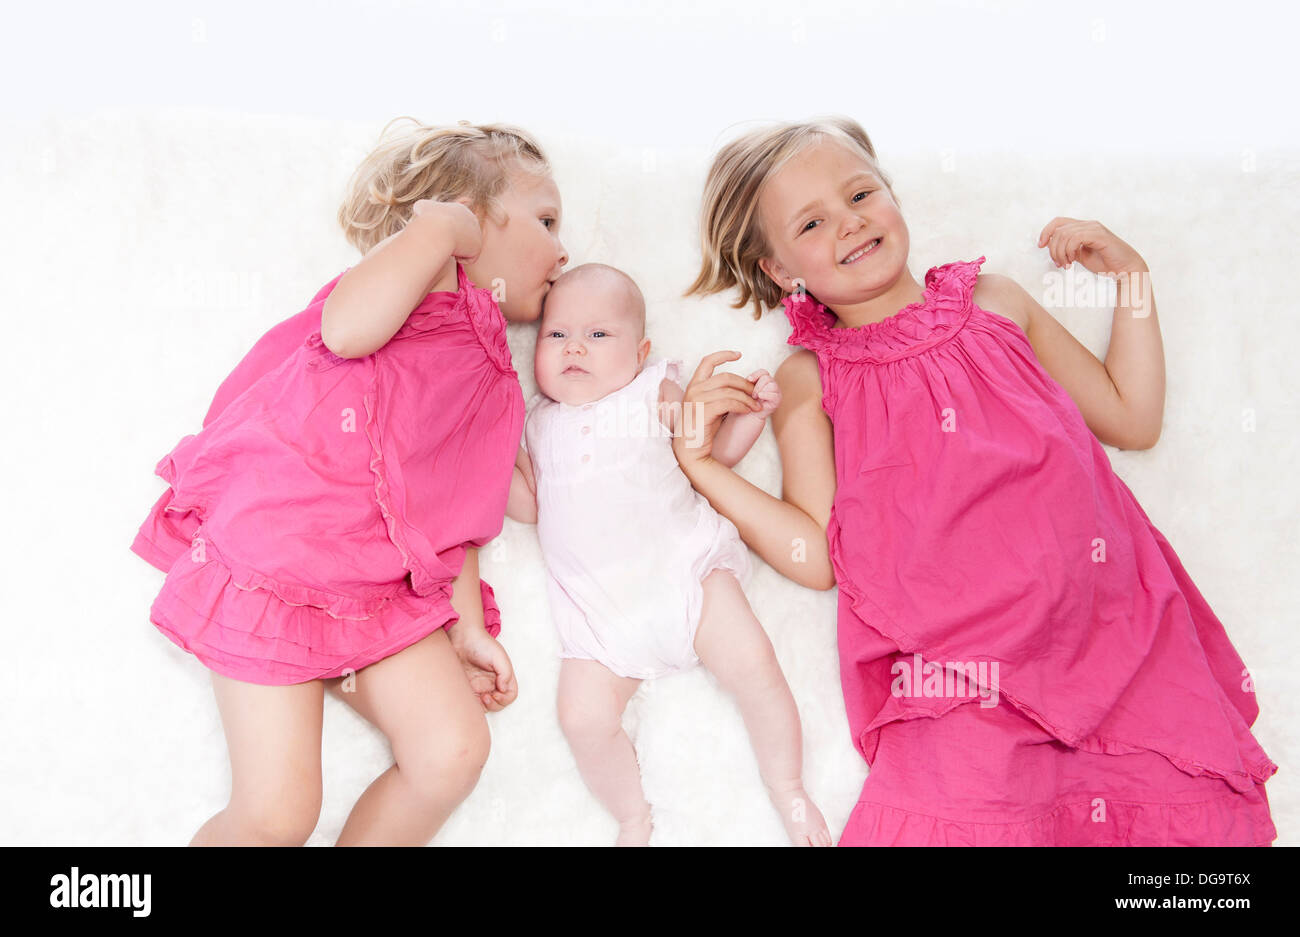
(863, 192)
(555, 333)
(598, 332)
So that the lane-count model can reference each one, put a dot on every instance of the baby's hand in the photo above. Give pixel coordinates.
(1092, 244)
(766, 392)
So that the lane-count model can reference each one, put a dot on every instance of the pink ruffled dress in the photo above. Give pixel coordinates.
(317, 522)
(1023, 657)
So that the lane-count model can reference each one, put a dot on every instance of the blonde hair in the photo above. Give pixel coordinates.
(464, 161)
(731, 235)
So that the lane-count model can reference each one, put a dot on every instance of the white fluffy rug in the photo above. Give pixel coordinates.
(145, 256)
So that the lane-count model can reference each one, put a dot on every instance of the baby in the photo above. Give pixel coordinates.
(645, 577)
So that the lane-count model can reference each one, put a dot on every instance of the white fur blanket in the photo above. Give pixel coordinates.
(147, 255)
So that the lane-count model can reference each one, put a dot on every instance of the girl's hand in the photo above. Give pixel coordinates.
(457, 221)
(488, 669)
(766, 391)
(1090, 243)
(707, 399)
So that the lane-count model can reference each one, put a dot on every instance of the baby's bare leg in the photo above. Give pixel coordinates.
(591, 701)
(273, 733)
(734, 647)
(420, 699)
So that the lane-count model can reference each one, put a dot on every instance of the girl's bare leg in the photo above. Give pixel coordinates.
(274, 735)
(591, 701)
(734, 647)
(419, 698)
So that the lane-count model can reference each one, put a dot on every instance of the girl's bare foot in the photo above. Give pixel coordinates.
(635, 832)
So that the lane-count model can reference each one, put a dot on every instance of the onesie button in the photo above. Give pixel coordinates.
(586, 457)
(586, 429)
(586, 406)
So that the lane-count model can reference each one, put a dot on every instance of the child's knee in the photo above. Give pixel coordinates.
(277, 821)
(449, 759)
(748, 666)
(581, 721)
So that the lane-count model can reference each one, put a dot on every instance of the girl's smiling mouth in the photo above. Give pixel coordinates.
(862, 251)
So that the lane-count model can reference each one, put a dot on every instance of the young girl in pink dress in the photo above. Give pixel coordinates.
(1023, 657)
(322, 530)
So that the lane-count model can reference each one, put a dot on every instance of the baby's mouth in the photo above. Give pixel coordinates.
(573, 369)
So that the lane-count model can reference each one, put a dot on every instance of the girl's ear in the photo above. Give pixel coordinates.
(776, 273)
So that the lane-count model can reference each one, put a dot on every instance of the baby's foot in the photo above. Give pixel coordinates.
(803, 821)
(635, 832)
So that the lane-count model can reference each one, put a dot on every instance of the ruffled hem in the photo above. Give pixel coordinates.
(252, 635)
(1241, 771)
(168, 534)
(914, 328)
(1217, 821)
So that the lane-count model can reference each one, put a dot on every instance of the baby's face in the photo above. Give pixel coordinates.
(589, 344)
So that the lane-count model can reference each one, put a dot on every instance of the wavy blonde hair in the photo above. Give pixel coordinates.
(731, 237)
(448, 163)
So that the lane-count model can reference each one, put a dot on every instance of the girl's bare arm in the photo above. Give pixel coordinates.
(789, 533)
(522, 503)
(1122, 398)
(373, 299)
(467, 600)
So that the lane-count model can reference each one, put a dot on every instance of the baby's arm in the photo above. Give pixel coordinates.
(522, 505)
(789, 532)
(372, 300)
(739, 431)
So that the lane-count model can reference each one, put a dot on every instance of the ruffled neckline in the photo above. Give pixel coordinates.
(475, 304)
(944, 306)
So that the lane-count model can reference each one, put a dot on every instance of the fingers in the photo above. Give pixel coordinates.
(719, 381)
(1069, 240)
(729, 400)
(711, 361)
(1051, 228)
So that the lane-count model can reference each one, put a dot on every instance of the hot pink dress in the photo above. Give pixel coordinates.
(317, 522)
(978, 531)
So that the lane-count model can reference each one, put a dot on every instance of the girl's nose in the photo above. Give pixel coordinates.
(852, 223)
(564, 256)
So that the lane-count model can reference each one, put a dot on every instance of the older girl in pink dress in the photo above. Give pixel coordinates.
(321, 530)
(1023, 657)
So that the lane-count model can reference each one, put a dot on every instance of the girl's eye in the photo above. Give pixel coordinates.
(549, 222)
(855, 199)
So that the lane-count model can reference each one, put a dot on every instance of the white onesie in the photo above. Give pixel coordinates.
(626, 538)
